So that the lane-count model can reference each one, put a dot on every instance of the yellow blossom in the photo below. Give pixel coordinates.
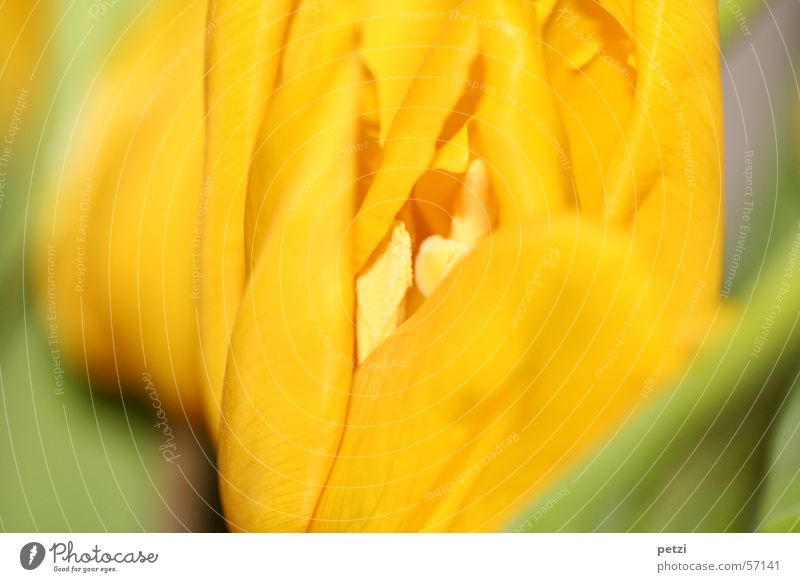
(449, 248)
(121, 233)
(441, 250)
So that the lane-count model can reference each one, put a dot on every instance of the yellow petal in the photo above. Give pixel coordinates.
(414, 136)
(243, 59)
(292, 354)
(520, 363)
(587, 52)
(473, 210)
(122, 225)
(288, 158)
(396, 38)
(433, 198)
(453, 156)
(520, 135)
(664, 180)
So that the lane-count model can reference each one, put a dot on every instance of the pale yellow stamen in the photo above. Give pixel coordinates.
(471, 222)
(436, 258)
(381, 289)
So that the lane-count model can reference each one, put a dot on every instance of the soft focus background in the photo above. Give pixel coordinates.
(721, 452)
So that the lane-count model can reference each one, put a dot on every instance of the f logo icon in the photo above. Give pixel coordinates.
(31, 555)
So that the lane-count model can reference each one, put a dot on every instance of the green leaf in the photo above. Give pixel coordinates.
(73, 461)
(779, 509)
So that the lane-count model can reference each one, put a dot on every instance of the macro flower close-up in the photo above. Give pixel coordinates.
(439, 248)
(401, 266)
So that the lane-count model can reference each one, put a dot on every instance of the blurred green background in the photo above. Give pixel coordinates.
(83, 461)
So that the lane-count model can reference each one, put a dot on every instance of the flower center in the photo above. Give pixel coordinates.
(381, 289)
(470, 222)
(383, 284)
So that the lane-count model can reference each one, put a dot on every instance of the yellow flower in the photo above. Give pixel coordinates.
(442, 249)
(453, 246)
(120, 233)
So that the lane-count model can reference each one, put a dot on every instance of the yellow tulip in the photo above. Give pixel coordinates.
(441, 251)
(453, 246)
(122, 229)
